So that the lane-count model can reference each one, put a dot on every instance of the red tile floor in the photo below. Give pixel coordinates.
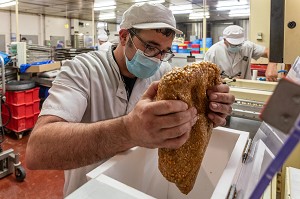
(37, 184)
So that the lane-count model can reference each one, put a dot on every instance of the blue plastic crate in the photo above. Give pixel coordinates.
(175, 48)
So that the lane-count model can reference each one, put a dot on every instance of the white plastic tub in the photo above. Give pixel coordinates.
(138, 169)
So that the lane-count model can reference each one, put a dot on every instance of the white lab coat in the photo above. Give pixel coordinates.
(89, 89)
(105, 46)
(231, 63)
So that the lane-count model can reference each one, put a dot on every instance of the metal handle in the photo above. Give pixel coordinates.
(3, 75)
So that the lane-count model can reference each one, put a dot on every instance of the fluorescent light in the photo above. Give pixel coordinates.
(198, 15)
(181, 7)
(231, 3)
(101, 25)
(5, 1)
(244, 11)
(107, 16)
(99, 4)
(239, 15)
(175, 12)
(153, 1)
(104, 8)
(235, 7)
(7, 4)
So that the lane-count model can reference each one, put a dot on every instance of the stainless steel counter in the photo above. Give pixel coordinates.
(243, 124)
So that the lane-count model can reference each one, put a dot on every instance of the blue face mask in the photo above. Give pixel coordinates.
(234, 49)
(142, 66)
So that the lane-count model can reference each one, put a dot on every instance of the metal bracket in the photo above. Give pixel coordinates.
(284, 106)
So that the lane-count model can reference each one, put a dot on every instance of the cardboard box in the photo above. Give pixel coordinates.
(44, 67)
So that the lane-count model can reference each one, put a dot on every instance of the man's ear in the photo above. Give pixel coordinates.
(225, 42)
(123, 35)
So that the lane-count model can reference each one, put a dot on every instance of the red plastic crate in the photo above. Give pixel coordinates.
(22, 97)
(20, 124)
(22, 110)
(261, 69)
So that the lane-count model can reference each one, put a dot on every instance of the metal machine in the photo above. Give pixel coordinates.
(9, 160)
(250, 97)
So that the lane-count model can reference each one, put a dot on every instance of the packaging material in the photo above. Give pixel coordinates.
(44, 67)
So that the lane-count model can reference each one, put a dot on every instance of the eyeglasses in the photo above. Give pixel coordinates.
(152, 51)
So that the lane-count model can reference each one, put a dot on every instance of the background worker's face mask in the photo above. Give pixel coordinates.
(234, 49)
(142, 66)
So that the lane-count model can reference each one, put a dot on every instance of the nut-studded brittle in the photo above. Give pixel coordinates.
(188, 84)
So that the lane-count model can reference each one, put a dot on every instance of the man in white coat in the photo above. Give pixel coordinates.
(103, 102)
(103, 43)
(233, 55)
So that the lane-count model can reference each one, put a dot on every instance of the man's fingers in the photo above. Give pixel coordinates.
(178, 130)
(222, 98)
(220, 108)
(222, 88)
(151, 91)
(272, 79)
(217, 119)
(220, 93)
(176, 119)
(164, 107)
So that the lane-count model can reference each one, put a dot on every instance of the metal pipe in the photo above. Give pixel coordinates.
(3, 75)
(17, 21)
(93, 26)
(204, 28)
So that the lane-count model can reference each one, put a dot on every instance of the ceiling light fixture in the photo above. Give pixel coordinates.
(175, 12)
(243, 11)
(144, 1)
(239, 15)
(7, 3)
(199, 15)
(101, 3)
(181, 7)
(235, 7)
(231, 3)
(104, 8)
(107, 16)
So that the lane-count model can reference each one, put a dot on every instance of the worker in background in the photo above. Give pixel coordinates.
(60, 44)
(233, 55)
(23, 39)
(103, 102)
(103, 43)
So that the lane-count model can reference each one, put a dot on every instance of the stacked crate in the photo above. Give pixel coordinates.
(24, 109)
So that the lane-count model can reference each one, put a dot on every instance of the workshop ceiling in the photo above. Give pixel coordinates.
(82, 9)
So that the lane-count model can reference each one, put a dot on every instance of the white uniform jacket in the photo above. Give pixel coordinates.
(89, 89)
(234, 63)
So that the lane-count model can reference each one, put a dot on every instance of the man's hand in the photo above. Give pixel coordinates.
(271, 72)
(220, 104)
(159, 124)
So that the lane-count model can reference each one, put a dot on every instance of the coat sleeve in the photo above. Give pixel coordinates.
(69, 92)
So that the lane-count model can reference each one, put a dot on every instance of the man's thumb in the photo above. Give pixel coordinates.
(151, 91)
